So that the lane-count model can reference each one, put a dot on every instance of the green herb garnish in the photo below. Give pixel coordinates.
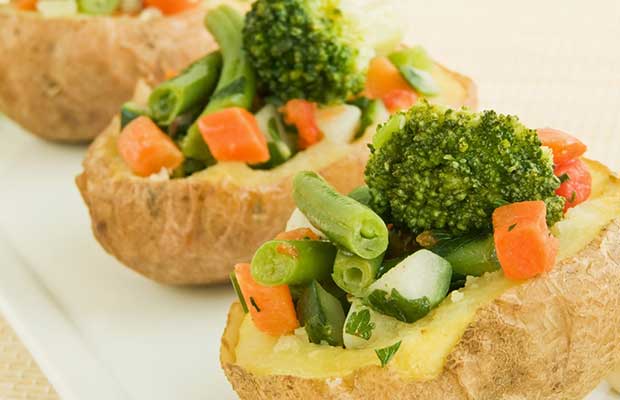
(387, 353)
(254, 304)
(397, 306)
(359, 324)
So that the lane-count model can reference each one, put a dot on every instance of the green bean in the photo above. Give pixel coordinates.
(415, 56)
(192, 87)
(469, 255)
(293, 262)
(344, 221)
(131, 111)
(354, 274)
(361, 194)
(415, 65)
(321, 315)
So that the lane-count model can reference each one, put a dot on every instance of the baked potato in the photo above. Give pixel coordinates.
(554, 337)
(64, 78)
(193, 230)
(538, 321)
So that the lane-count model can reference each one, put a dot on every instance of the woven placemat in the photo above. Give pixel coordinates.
(20, 377)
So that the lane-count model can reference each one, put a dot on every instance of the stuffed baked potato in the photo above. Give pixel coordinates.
(65, 76)
(179, 225)
(539, 321)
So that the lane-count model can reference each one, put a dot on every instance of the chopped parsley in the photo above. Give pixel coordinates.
(564, 178)
(387, 353)
(254, 304)
(397, 306)
(573, 197)
(359, 324)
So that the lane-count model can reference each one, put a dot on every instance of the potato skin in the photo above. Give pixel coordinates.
(63, 79)
(192, 231)
(551, 338)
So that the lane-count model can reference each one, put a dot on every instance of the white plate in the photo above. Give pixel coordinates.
(98, 330)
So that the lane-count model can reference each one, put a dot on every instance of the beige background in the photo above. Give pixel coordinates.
(553, 63)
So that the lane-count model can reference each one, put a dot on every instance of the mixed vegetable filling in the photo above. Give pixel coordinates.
(288, 75)
(142, 8)
(449, 194)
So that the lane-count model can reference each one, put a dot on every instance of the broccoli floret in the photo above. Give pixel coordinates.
(435, 168)
(317, 50)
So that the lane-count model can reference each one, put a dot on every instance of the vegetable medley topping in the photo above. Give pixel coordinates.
(53, 8)
(355, 277)
(316, 50)
(248, 103)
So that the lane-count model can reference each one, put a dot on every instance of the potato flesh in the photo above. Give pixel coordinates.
(426, 343)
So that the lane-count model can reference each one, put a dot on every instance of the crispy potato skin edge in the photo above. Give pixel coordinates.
(63, 79)
(192, 231)
(551, 338)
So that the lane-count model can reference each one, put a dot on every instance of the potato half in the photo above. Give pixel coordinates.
(552, 337)
(193, 230)
(64, 78)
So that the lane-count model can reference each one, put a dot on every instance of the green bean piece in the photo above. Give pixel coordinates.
(415, 56)
(344, 221)
(131, 111)
(469, 255)
(279, 152)
(361, 194)
(422, 81)
(98, 7)
(321, 315)
(373, 112)
(179, 126)
(191, 88)
(293, 262)
(415, 65)
(354, 274)
(237, 84)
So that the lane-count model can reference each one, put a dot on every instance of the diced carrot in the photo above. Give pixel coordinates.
(564, 146)
(399, 99)
(302, 114)
(146, 149)
(271, 307)
(383, 77)
(26, 5)
(525, 248)
(172, 6)
(232, 134)
(298, 234)
(577, 185)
